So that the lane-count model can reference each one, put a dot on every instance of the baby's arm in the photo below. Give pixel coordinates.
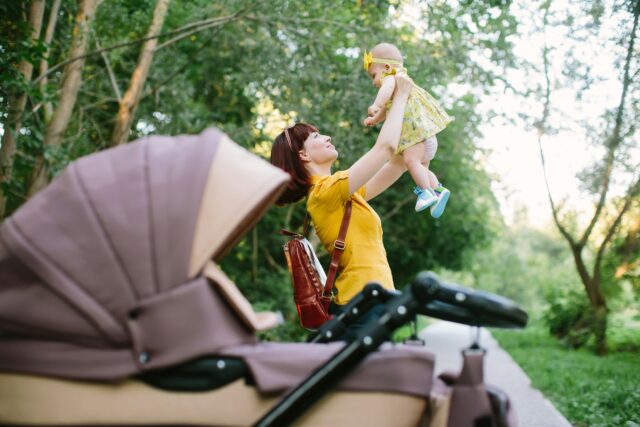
(379, 115)
(386, 91)
(377, 110)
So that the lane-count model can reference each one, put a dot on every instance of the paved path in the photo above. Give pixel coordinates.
(447, 339)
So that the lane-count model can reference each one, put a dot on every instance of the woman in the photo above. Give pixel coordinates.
(308, 157)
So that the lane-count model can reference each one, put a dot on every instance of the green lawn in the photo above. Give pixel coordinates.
(590, 391)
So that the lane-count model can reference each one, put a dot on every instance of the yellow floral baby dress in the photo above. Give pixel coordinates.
(423, 117)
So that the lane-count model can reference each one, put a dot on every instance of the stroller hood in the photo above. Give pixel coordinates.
(102, 274)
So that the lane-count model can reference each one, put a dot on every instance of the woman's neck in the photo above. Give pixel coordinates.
(319, 169)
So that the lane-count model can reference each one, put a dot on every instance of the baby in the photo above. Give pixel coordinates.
(423, 119)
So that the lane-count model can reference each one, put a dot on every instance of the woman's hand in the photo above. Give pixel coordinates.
(404, 84)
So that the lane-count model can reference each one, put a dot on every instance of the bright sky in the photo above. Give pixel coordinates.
(514, 157)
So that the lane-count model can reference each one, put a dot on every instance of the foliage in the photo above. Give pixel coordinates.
(569, 316)
(274, 63)
(589, 390)
(522, 263)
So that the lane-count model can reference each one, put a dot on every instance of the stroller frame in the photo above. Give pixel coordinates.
(426, 295)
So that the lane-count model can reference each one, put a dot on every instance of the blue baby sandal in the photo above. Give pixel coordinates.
(426, 198)
(437, 209)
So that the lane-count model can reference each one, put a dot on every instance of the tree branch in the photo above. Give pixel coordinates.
(192, 32)
(541, 127)
(633, 191)
(165, 81)
(44, 64)
(615, 139)
(397, 208)
(272, 262)
(112, 77)
(129, 43)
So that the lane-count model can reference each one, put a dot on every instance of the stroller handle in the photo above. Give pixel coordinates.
(456, 303)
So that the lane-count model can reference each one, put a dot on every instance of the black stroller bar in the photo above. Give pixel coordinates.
(451, 302)
(372, 294)
(467, 306)
(426, 295)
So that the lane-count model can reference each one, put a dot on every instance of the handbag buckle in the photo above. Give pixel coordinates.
(339, 245)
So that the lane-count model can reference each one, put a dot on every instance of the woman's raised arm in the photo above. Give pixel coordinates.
(388, 138)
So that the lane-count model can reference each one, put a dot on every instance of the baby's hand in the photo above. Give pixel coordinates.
(368, 121)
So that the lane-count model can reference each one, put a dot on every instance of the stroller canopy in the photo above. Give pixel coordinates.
(102, 271)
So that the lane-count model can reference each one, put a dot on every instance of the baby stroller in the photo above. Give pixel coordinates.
(113, 310)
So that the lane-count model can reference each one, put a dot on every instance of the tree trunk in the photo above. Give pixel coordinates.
(44, 63)
(16, 106)
(68, 92)
(600, 329)
(131, 98)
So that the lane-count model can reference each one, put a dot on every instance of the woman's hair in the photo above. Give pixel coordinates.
(285, 155)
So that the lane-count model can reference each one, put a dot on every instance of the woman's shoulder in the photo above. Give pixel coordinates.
(335, 185)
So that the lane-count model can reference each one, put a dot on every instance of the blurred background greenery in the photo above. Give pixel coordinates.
(74, 74)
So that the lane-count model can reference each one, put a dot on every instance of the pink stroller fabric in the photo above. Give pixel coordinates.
(98, 279)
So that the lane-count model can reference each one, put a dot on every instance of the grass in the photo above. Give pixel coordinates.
(590, 391)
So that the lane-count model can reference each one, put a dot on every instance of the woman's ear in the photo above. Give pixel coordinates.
(303, 156)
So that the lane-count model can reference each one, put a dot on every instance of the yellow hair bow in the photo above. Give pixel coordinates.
(368, 59)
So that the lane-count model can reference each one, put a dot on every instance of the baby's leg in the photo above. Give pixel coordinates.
(430, 147)
(413, 158)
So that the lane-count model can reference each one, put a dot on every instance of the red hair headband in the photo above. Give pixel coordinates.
(286, 134)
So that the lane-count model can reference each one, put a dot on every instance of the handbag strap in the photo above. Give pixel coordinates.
(338, 248)
(307, 218)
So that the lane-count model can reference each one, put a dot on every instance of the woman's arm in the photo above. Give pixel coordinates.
(390, 172)
(388, 138)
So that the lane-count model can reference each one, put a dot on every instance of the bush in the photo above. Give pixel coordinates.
(569, 317)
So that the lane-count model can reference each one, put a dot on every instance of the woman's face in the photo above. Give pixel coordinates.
(319, 148)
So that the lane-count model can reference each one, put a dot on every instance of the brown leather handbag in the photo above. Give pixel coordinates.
(312, 292)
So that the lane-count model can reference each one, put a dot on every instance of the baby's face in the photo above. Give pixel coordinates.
(375, 72)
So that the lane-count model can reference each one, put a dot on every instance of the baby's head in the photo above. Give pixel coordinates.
(383, 58)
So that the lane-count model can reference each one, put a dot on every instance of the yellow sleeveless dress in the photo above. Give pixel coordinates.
(423, 117)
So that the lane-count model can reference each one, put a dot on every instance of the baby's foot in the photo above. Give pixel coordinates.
(426, 198)
(437, 209)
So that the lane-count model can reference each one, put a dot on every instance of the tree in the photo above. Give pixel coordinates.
(608, 211)
(18, 101)
(68, 91)
(131, 97)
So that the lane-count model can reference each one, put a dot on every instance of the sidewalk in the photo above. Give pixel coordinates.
(447, 339)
